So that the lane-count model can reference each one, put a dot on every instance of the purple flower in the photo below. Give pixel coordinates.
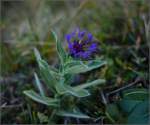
(81, 44)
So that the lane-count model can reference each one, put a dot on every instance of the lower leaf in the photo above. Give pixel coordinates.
(44, 100)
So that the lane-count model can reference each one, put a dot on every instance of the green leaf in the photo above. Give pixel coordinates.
(44, 100)
(136, 94)
(76, 67)
(39, 85)
(37, 54)
(60, 49)
(131, 98)
(69, 78)
(39, 60)
(89, 84)
(80, 68)
(79, 93)
(47, 74)
(140, 114)
(66, 89)
(127, 105)
(62, 88)
(53, 70)
(75, 114)
(72, 63)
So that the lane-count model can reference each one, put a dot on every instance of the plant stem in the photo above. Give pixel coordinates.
(109, 117)
(124, 87)
(52, 115)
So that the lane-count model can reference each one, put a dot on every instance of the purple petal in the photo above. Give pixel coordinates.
(68, 37)
(92, 47)
(90, 37)
(86, 55)
(81, 34)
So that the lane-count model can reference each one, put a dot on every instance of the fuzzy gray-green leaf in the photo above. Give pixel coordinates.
(80, 67)
(37, 54)
(47, 74)
(66, 89)
(39, 85)
(89, 84)
(44, 100)
(60, 49)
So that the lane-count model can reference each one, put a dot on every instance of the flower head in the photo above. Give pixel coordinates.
(81, 44)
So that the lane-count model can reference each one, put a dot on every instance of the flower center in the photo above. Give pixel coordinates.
(78, 47)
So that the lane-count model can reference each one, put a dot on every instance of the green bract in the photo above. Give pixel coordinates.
(58, 82)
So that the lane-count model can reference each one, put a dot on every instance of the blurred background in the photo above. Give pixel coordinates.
(121, 26)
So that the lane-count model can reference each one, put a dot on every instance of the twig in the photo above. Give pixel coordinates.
(103, 97)
(11, 106)
(124, 87)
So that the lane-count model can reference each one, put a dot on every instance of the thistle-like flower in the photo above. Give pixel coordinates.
(81, 44)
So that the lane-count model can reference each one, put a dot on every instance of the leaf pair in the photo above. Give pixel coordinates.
(78, 91)
(66, 89)
(49, 74)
